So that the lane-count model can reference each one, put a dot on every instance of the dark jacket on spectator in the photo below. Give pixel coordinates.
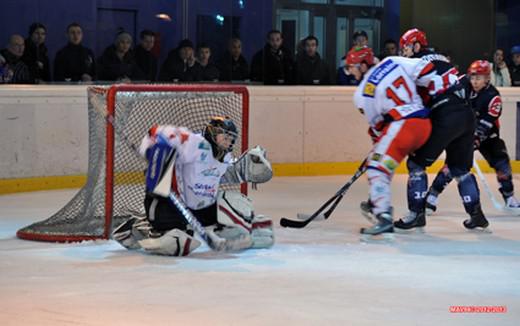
(110, 67)
(21, 73)
(174, 69)
(514, 71)
(311, 71)
(231, 69)
(342, 78)
(72, 61)
(147, 62)
(34, 54)
(208, 73)
(273, 68)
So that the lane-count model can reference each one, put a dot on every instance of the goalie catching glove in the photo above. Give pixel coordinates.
(252, 166)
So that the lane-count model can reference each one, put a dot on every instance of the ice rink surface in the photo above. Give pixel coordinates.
(320, 275)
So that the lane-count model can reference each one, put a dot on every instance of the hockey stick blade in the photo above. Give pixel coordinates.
(298, 224)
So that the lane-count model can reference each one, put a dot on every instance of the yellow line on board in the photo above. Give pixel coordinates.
(8, 186)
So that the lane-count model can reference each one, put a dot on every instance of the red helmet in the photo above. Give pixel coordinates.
(479, 67)
(357, 55)
(412, 36)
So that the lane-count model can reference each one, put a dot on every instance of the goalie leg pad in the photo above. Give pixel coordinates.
(173, 243)
(130, 232)
(262, 233)
(235, 210)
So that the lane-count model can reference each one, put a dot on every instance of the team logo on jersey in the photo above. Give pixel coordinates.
(495, 107)
(369, 90)
(211, 172)
(381, 71)
(204, 145)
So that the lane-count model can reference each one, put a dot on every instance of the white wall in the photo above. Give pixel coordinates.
(44, 131)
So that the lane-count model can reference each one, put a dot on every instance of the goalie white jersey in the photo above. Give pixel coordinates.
(389, 92)
(196, 174)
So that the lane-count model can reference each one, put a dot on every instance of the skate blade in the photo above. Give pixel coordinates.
(302, 216)
(429, 212)
(479, 230)
(514, 211)
(419, 229)
(385, 237)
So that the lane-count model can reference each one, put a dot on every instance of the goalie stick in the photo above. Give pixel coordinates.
(213, 241)
(285, 222)
(486, 187)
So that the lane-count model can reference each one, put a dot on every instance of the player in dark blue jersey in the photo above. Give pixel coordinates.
(485, 101)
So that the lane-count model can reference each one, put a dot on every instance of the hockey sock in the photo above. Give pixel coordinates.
(417, 187)
(442, 179)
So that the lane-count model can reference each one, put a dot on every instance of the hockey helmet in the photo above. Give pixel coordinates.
(479, 67)
(413, 36)
(358, 55)
(220, 125)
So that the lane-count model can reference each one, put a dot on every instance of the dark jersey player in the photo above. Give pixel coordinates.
(485, 101)
(453, 126)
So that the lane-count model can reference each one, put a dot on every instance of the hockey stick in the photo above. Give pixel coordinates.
(213, 241)
(486, 187)
(285, 222)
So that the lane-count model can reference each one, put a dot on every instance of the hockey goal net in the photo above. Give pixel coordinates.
(119, 116)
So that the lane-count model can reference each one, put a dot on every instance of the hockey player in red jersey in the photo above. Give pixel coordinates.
(398, 124)
(194, 165)
(485, 101)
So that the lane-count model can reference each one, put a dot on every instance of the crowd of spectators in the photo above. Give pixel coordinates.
(26, 61)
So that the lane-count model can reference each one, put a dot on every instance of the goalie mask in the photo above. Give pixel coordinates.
(221, 133)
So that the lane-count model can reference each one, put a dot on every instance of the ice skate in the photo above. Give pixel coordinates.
(477, 220)
(513, 205)
(411, 220)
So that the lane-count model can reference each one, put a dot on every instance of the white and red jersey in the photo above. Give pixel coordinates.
(197, 173)
(388, 91)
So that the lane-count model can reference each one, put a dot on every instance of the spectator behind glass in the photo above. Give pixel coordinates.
(310, 68)
(144, 58)
(36, 55)
(389, 49)
(208, 71)
(117, 62)
(515, 66)
(74, 62)
(499, 72)
(15, 71)
(360, 38)
(233, 65)
(180, 65)
(274, 64)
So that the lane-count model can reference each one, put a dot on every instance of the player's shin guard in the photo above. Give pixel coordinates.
(440, 182)
(416, 187)
(380, 197)
(468, 191)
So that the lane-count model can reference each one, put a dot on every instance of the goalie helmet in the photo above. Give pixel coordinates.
(413, 36)
(358, 55)
(479, 67)
(220, 125)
